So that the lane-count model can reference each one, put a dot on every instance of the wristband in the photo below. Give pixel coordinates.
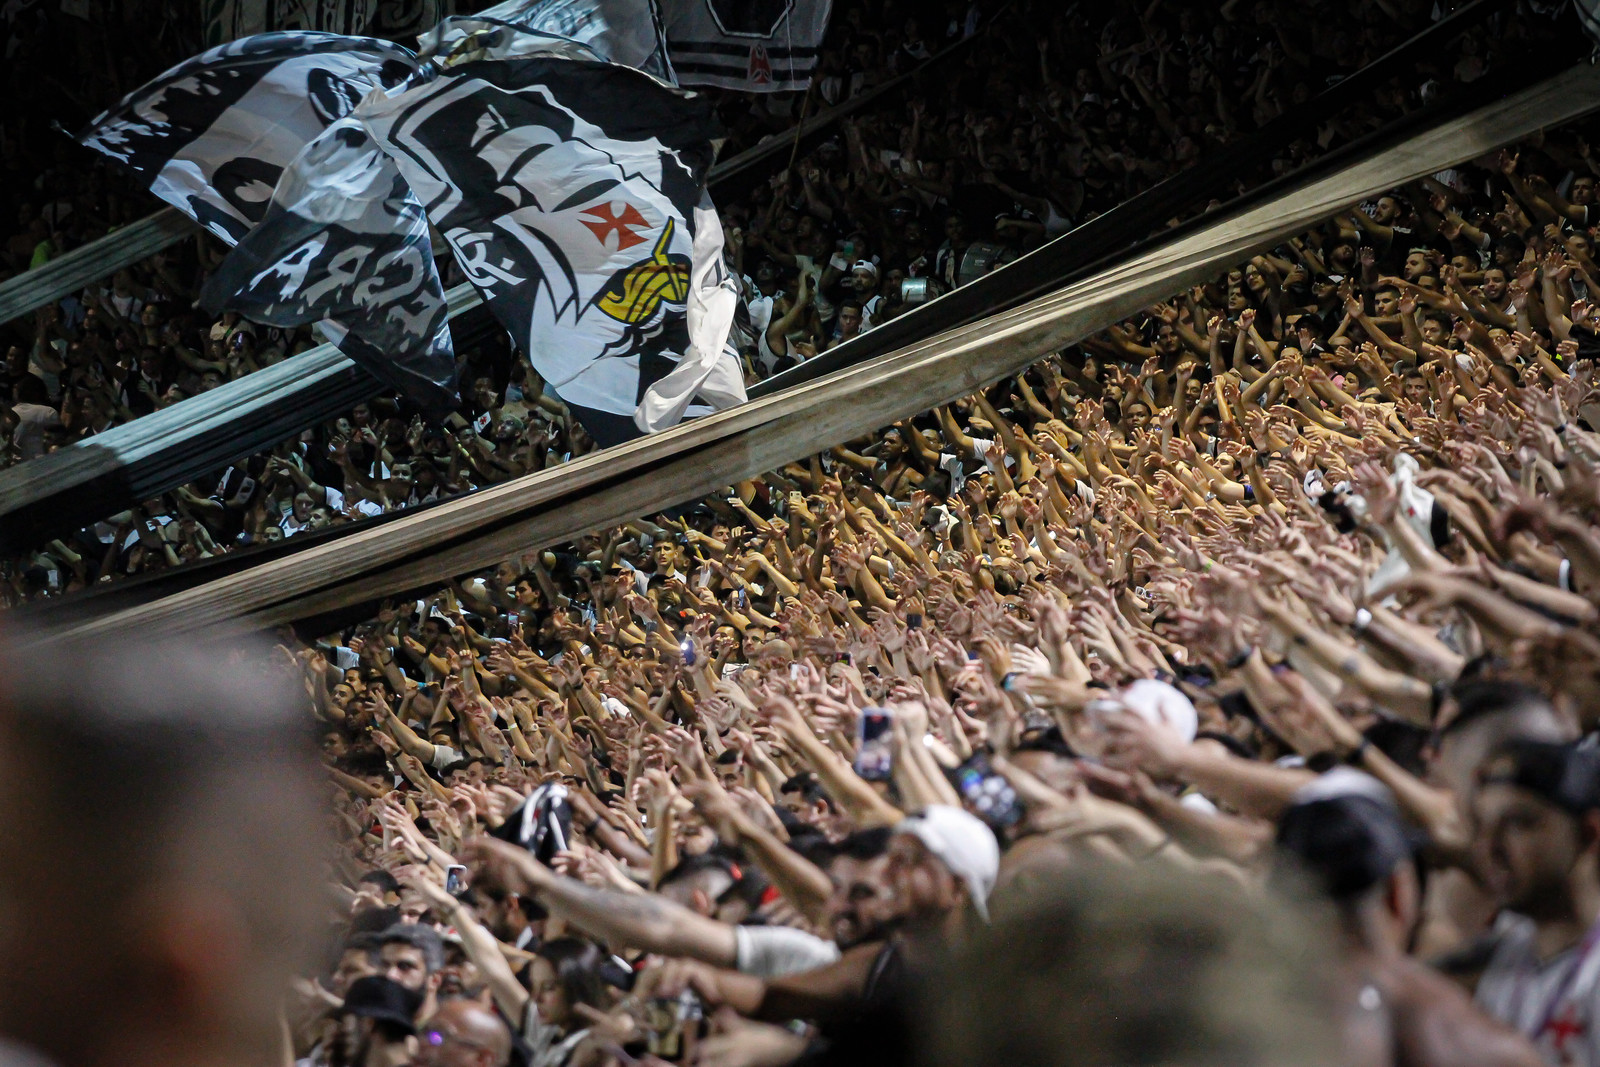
(1351, 665)
(1241, 656)
(1561, 429)
(1357, 755)
(1009, 680)
(1362, 620)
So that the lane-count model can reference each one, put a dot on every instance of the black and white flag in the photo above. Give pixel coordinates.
(212, 135)
(759, 46)
(618, 31)
(344, 240)
(568, 190)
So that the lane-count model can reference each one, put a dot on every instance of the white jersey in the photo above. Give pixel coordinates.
(1553, 1003)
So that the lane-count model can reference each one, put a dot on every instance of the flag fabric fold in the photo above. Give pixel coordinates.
(628, 32)
(344, 240)
(253, 140)
(568, 190)
(212, 135)
(758, 46)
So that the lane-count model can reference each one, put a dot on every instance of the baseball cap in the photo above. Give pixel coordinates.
(1348, 842)
(1562, 774)
(866, 265)
(376, 997)
(961, 842)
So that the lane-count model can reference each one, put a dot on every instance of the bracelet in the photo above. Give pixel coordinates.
(1351, 665)
(1561, 429)
(1241, 656)
(1362, 620)
(1356, 756)
(588, 831)
(1009, 680)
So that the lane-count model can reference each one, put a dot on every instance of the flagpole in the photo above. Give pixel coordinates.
(799, 128)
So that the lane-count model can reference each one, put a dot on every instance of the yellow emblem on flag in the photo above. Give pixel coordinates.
(635, 295)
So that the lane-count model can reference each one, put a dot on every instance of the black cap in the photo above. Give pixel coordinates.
(1350, 843)
(387, 1001)
(1564, 775)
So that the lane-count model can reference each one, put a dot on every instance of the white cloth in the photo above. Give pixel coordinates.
(1549, 1002)
(774, 951)
(709, 369)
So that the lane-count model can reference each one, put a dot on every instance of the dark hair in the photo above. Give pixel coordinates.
(805, 783)
(1050, 741)
(727, 757)
(865, 844)
(382, 879)
(366, 943)
(373, 921)
(364, 761)
(577, 966)
(1479, 699)
(694, 866)
(425, 939)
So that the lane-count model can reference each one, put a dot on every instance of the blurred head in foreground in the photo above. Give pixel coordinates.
(159, 849)
(1116, 965)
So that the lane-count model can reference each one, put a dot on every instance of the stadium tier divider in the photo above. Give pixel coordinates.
(99, 259)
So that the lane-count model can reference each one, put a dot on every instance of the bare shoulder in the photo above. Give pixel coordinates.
(1436, 1023)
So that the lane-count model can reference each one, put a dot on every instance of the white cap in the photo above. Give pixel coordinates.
(866, 265)
(961, 842)
(1160, 704)
(1344, 782)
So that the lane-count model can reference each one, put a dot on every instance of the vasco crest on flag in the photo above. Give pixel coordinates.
(572, 192)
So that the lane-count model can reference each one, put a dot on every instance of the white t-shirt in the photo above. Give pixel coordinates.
(32, 422)
(774, 951)
(1552, 1003)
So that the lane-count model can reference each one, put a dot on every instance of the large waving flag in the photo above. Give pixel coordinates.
(212, 135)
(568, 189)
(344, 240)
(252, 139)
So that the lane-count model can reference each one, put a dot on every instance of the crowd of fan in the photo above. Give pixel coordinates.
(1289, 585)
(1220, 691)
(1001, 153)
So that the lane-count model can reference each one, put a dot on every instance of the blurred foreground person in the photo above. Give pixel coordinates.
(1347, 836)
(160, 853)
(1539, 824)
(1133, 966)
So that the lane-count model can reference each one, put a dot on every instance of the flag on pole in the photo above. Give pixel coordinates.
(759, 46)
(253, 140)
(568, 190)
(618, 31)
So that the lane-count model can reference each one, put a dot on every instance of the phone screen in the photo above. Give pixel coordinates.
(874, 756)
(987, 793)
(453, 880)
